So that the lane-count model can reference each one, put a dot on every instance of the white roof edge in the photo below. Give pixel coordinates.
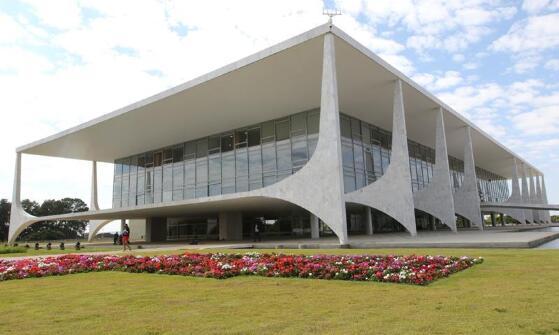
(350, 40)
(293, 41)
(282, 46)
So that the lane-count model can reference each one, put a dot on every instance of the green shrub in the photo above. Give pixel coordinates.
(12, 250)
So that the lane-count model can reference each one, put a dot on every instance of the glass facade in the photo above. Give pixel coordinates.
(366, 156)
(260, 155)
(234, 161)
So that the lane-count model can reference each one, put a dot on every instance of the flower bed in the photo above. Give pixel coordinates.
(418, 270)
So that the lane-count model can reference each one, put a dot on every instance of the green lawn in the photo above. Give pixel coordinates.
(512, 292)
(55, 250)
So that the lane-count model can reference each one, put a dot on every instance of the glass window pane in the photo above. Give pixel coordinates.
(254, 137)
(299, 150)
(284, 157)
(157, 184)
(202, 148)
(178, 153)
(167, 182)
(214, 144)
(190, 172)
(214, 169)
(241, 138)
(359, 159)
(190, 149)
(347, 155)
(167, 156)
(157, 158)
(299, 124)
(228, 173)
(201, 171)
(282, 130)
(226, 142)
(268, 132)
(345, 126)
(312, 122)
(178, 180)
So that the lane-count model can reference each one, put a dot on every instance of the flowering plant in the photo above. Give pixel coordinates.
(412, 269)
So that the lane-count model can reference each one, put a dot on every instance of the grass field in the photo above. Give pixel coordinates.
(512, 292)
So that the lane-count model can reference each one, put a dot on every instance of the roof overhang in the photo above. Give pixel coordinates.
(278, 81)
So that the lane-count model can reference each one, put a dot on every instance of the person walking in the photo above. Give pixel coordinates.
(126, 238)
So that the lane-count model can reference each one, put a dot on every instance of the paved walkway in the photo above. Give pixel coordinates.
(494, 237)
(441, 239)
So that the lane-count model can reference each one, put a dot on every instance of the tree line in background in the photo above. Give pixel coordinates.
(47, 230)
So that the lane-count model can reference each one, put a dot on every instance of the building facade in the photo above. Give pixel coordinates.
(315, 136)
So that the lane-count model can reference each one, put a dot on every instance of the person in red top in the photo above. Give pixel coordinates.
(126, 237)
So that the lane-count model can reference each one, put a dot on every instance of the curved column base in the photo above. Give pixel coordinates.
(466, 204)
(388, 195)
(19, 220)
(516, 214)
(95, 226)
(439, 208)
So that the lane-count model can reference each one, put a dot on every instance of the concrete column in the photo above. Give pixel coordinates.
(547, 216)
(533, 196)
(19, 219)
(539, 199)
(315, 229)
(466, 198)
(503, 223)
(95, 225)
(230, 226)
(318, 186)
(433, 222)
(94, 205)
(493, 221)
(369, 230)
(392, 193)
(515, 196)
(437, 198)
(528, 215)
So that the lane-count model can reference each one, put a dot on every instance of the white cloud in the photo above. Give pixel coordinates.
(61, 14)
(450, 25)
(531, 34)
(459, 58)
(536, 6)
(436, 83)
(552, 64)
(543, 120)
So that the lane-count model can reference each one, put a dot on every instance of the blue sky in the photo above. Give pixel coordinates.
(65, 62)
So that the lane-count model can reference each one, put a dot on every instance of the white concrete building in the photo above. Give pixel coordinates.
(314, 136)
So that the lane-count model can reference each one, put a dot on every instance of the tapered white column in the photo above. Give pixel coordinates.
(515, 197)
(528, 214)
(392, 192)
(19, 219)
(466, 198)
(318, 186)
(437, 198)
(540, 200)
(533, 196)
(94, 225)
(547, 216)
(94, 204)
